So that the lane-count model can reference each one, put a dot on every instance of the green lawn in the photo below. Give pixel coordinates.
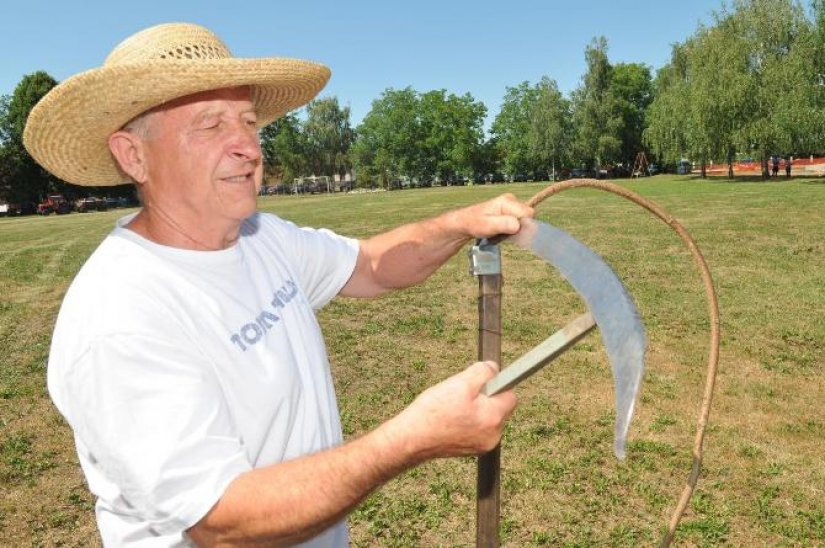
(763, 481)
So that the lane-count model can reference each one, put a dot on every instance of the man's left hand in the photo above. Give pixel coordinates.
(497, 216)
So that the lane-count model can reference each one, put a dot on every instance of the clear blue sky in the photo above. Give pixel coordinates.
(462, 46)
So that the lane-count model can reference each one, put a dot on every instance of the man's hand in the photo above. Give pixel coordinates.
(453, 418)
(497, 216)
(294, 500)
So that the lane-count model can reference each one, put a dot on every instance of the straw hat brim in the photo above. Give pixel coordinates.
(67, 132)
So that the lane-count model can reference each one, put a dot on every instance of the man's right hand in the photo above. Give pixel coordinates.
(294, 500)
(453, 418)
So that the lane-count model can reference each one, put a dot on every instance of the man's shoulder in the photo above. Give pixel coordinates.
(115, 259)
(119, 279)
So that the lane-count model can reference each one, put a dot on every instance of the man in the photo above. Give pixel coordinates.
(198, 386)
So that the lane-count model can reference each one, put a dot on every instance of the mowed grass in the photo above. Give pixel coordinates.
(764, 473)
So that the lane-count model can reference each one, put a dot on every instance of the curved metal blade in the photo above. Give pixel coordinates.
(609, 302)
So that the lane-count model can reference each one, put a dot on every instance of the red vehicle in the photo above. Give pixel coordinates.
(54, 204)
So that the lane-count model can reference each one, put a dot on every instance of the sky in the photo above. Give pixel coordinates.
(462, 46)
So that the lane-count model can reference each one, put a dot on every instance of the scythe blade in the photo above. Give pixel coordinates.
(610, 304)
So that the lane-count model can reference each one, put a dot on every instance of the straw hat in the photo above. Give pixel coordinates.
(67, 131)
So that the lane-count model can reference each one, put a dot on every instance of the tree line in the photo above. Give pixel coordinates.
(748, 84)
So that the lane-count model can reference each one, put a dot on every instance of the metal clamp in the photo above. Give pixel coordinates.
(485, 258)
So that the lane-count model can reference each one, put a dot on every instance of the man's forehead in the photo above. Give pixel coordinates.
(209, 100)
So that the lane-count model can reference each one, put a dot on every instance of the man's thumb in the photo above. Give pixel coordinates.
(481, 372)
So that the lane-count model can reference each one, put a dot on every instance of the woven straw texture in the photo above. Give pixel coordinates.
(67, 132)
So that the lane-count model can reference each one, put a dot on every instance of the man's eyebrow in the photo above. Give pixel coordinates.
(217, 113)
(205, 115)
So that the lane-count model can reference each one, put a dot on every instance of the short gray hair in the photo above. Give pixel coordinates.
(139, 125)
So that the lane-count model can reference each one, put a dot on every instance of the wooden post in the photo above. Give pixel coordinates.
(486, 264)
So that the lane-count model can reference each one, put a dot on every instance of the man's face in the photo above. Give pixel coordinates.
(204, 158)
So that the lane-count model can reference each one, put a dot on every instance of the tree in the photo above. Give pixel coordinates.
(512, 125)
(329, 137)
(596, 111)
(5, 124)
(388, 137)
(666, 116)
(721, 98)
(452, 130)
(550, 132)
(284, 148)
(419, 136)
(632, 87)
(746, 84)
(774, 38)
(23, 179)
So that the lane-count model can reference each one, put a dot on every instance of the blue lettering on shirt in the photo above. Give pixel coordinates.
(252, 332)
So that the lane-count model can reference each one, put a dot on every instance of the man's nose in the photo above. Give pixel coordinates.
(246, 144)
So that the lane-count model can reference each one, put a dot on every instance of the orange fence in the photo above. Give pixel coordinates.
(809, 166)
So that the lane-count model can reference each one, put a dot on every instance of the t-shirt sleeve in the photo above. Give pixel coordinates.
(324, 260)
(150, 416)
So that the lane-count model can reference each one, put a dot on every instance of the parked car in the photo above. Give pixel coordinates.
(581, 173)
(84, 205)
(124, 201)
(495, 177)
(25, 208)
(54, 203)
(684, 167)
(540, 176)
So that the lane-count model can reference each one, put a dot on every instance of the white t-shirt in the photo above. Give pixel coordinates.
(179, 370)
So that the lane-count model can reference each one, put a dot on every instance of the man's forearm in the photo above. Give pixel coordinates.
(295, 500)
(409, 254)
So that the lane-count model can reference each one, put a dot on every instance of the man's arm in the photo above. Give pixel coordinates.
(295, 500)
(408, 254)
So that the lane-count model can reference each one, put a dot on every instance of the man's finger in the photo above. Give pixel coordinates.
(481, 372)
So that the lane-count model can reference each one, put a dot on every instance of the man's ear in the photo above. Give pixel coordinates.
(129, 151)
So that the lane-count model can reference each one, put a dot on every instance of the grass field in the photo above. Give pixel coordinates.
(764, 474)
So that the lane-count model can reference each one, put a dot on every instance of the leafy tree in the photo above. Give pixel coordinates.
(5, 124)
(746, 84)
(667, 114)
(22, 178)
(284, 148)
(772, 35)
(596, 111)
(452, 130)
(632, 87)
(512, 125)
(550, 132)
(329, 137)
(388, 137)
(489, 157)
(419, 135)
(721, 98)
